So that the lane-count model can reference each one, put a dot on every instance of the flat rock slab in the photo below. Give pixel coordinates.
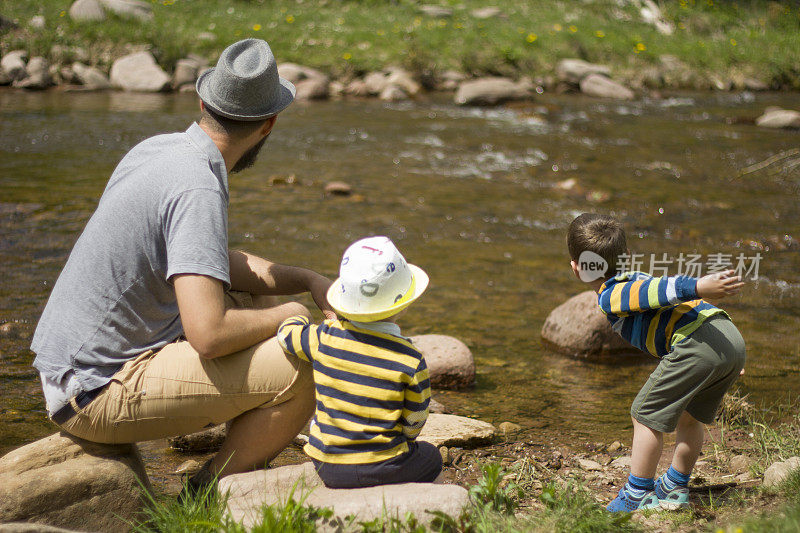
(139, 72)
(450, 362)
(779, 118)
(601, 87)
(67, 482)
(460, 431)
(579, 328)
(248, 492)
(491, 91)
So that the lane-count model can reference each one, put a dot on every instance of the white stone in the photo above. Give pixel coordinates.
(452, 430)
(90, 77)
(185, 72)
(603, 87)
(622, 462)
(13, 64)
(487, 12)
(392, 93)
(375, 82)
(777, 472)
(404, 80)
(491, 91)
(296, 73)
(315, 88)
(574, 70)
(87, 11)
(450, 362)
(37, 75)
(139, 72)
(436, 11)
(779, 118)
(37, 22)
(250, 490)
(137, 9)
(589, 465)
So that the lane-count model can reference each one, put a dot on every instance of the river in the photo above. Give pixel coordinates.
(479, 197)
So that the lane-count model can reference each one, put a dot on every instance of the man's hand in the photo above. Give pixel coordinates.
(318, 287)
(719, 285)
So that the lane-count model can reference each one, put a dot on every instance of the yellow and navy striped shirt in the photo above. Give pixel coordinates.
(372, 390)
(651, 313)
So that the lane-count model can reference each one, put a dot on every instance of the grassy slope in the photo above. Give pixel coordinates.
(756, 37)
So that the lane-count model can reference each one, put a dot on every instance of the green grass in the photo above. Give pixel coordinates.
(344, 37)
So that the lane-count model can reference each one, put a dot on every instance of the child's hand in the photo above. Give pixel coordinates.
(719, 285)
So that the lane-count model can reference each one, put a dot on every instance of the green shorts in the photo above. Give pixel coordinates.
(693, 377)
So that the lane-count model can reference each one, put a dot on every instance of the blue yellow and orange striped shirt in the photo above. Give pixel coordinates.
(372, 389)
(651, 313)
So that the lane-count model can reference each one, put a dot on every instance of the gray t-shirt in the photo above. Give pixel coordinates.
(163, 212)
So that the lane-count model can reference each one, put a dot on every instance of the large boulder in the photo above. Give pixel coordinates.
(185, 72)
(779, 118)
(603, 87)
(249, 491)
(67, 482)
(579, 328)
(312, 88)
(139, 72)
(375, 82)
(90, 77)
(574, 70)
(37, 75)
(779, 471)
(491, 91)
(402, 79)
(135, 9)
(450, 362)
(13, 64)
(87, 11)
(452, 430)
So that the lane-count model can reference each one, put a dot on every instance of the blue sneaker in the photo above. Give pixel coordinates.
(677, 498)
(626, 503)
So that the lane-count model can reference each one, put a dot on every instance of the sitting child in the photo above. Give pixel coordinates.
(372, 385)
(701, 351)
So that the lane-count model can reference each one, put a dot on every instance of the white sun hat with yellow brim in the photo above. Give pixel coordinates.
(375, 281)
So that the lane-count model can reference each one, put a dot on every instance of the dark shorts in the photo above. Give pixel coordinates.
(422, 463)
(693, 377)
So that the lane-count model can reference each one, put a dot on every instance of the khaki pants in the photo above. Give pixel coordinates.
(174, 392)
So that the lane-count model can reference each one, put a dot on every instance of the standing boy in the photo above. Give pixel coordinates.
(372, 385)
(701, 351)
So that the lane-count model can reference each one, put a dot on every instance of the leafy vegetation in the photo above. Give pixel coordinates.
(714, 39)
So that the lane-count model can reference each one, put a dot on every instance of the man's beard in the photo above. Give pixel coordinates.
(248, 159)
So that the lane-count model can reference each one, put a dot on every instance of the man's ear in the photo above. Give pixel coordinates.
(575, 269)
(268, 125)
(202, 106)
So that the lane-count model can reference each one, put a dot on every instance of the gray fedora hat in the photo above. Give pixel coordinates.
(245, 84)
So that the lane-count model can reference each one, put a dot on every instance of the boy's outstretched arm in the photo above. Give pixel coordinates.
(719, 285)
(648, 293)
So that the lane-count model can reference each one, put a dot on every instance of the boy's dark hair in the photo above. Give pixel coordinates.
(600, 234)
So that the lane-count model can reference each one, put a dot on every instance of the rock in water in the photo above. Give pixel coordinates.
(208, 440)
(452, 430)
(139, 72)
(777, 472)
(779, 118)
(491, 91)
(185, 72)
(574, 70)
(90, 77)
(251, 490)
(68, 482)
(87, 11)
(393, 93)
(602, 87)
(313, 88)
(450, 362)
(578, 328)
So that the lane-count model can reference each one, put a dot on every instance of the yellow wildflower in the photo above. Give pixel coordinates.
(557, 27)
(347, 56)
(733, 42)
(289, 19)
(573, 28)
(640, 47)
(256, 27)
(531, 37)
(62, 14)
(380, 32)
(600, 34)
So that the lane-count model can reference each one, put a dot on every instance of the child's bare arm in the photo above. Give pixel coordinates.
(719, 285)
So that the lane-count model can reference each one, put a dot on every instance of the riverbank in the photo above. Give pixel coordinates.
(686, 44)
(520, 483)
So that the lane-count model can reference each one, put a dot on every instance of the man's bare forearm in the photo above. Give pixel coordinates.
(257, 275)
(241, 328)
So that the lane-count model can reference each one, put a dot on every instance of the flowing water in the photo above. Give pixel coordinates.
(480, 198)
